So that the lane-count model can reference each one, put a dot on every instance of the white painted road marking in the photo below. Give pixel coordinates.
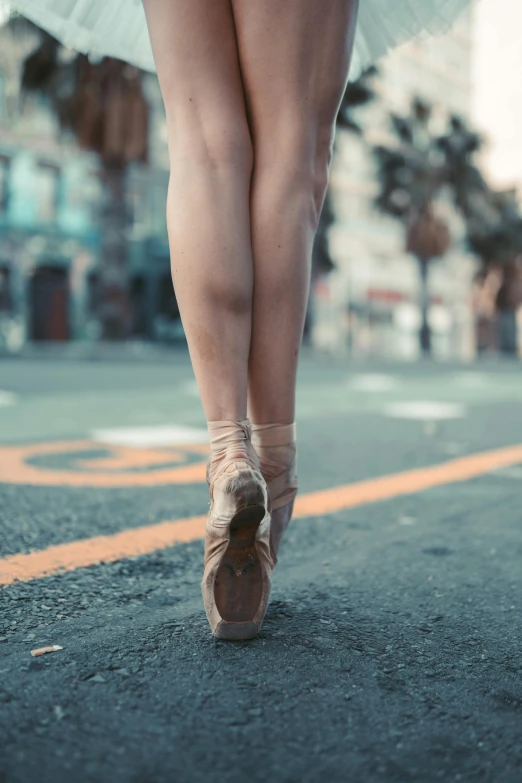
(7, 398)
(471, 380)
(373, 382)
(150, 437)
(424, 410)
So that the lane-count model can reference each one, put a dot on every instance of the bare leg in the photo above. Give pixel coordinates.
(294, 58)
(210, 149)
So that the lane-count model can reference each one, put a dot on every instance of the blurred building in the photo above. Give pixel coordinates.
(153, 302)
(48, 236)
(368, 305)
(51, 199)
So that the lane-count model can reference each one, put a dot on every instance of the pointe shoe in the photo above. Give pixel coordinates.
(238, 560)
(275, 445)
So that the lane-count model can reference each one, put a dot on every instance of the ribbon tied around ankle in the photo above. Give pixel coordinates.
(230, 441)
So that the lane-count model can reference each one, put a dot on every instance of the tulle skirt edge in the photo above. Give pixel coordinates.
(117, 28)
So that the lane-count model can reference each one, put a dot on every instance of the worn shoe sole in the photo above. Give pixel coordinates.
(238, 588)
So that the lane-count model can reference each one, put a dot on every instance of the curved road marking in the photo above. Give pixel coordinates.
(150, 538)
(15, 466)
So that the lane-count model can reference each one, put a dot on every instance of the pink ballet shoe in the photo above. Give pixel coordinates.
(275, 445)
(238, 558)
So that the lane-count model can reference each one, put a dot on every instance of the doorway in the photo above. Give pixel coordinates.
(49, 302)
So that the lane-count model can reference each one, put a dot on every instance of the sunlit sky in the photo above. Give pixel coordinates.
(498, 86)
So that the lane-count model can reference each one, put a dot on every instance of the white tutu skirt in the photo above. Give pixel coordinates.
(117, 28)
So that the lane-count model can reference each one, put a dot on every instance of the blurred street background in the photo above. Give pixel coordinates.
(391, 648)
(420, 240)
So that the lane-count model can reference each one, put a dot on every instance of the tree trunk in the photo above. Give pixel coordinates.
(507, 332)
(425, 330)
(114, 299)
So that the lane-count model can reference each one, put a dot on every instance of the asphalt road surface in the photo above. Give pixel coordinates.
(392, 646)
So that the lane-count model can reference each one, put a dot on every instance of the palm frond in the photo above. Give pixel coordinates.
(102, 103)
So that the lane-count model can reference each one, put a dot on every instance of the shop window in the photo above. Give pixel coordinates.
(47, 192)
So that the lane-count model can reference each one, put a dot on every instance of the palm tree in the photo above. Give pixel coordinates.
(412, 173)
(103, 105)
(416, 169)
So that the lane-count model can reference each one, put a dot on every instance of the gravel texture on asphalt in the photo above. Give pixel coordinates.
(391, 651)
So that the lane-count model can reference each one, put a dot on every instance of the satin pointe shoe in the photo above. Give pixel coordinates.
(238, 559)
(275, 445)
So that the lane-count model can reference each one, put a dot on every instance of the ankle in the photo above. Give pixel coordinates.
(273, 436)
(230, 442)
(275, 445)
(224, 431)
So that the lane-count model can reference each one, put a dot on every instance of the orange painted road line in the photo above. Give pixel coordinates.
(151, 538)
(101, 549)
(16, 466)
(338, 498)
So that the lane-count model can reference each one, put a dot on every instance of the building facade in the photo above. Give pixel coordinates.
(51, 207)
(48, 195)
(369, 305)
(51, 197)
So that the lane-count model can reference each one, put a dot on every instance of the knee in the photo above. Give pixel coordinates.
(216, 141)
(297, 167)
(321, 169)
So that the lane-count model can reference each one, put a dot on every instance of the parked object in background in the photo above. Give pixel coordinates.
(508, 301)
(484, 294)
(495, 235)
